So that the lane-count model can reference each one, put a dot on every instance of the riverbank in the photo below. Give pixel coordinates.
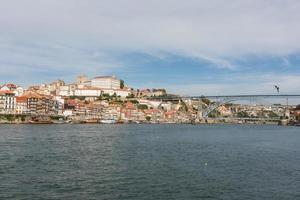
(198, 123)
(28, 119)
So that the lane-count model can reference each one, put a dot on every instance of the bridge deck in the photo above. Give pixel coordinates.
(248, 96)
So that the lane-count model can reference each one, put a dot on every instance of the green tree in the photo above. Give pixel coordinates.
(130, 96)
(23, 118)
(206, 101)
(134, 101)
(242, 114)
(10, 117)
(142, 106)
(214, 114)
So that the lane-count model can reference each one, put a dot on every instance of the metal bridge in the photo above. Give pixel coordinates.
(219, 100)
(245, 97)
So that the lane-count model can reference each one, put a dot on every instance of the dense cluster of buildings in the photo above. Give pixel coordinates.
(103, 97)
(108, 98)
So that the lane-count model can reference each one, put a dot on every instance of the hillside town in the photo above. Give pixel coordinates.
(107, 99)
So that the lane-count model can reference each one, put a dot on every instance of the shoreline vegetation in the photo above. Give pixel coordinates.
(28, 119)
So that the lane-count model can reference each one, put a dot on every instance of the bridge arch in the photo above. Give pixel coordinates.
(222, 101)
(212, 107)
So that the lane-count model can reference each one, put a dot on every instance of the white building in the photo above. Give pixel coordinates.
(64, 90)
(68, 113)
(7, 102)
(17, 90)
(21, 105)
(118, 92)
(87, 92)
(60, 103)
(106, 82)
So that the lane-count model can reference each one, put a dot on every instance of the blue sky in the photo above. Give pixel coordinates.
(192, 48)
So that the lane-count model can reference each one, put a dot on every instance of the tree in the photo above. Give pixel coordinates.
(10, 117)
(242, 114)
(142, 106)
(23, 118)
(121, 84)
(130, 96)
(214, 114)
(134, 101)
(148, 118)
(206, 101)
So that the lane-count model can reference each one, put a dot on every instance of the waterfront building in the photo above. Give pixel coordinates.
(111, 112)
(59, 102)
(21, 105)
(131, 113)
(106, 82)
(70, 104)
(156, 115)
(38, 104)
(7, 102)
(67, 113)
(90, 109)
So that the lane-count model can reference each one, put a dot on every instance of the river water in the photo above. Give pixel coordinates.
(139, 162)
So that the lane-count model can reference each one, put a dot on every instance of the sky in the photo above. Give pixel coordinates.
(193, 47)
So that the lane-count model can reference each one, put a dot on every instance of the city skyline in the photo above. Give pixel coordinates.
(190, 48)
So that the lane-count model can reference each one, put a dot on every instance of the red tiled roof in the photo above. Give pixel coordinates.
(21, 99)
(30, 94)
(10, 85)
(5, 92)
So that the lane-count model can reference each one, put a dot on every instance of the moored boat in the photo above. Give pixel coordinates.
(107, 121)
(89, 121)
(40, 122)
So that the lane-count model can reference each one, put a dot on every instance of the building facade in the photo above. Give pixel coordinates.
(106, 82)
(7, 102)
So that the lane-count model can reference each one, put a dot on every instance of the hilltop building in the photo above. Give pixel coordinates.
(106, 82)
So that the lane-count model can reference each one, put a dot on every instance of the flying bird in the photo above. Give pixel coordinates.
(277, 88)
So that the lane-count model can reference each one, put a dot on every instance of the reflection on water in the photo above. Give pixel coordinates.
(149, 162)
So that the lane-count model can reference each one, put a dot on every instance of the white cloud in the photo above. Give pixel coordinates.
(74, 36)
(209, 28)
